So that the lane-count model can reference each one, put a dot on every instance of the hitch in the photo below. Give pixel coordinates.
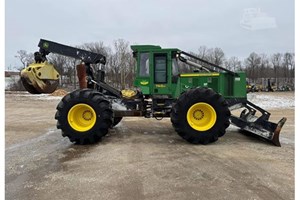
(261, 125)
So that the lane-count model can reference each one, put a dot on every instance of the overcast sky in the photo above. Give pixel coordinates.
(186, 25)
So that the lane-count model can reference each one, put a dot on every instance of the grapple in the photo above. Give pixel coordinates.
(40, 78)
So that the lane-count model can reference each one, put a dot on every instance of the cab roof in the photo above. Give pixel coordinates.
(150, 48)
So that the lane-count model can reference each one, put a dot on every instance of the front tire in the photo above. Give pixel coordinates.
(84, 116)
(200, 116)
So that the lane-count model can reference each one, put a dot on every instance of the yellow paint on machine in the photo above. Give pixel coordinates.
(196, 75)
(144, 82)
(201, 116)
(82, 117)
(128, 93)
(160, 85)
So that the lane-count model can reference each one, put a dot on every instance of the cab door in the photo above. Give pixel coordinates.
(160, 73)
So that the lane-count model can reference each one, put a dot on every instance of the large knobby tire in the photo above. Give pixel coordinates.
(84, 116)
(200, 116)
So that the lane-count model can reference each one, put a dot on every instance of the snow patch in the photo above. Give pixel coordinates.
(117, 105)
(37, 96)
(271, 101)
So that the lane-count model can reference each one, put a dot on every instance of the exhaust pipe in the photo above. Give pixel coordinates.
(81, 74)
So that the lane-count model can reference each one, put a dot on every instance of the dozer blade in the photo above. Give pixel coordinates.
(261, 125)
(40, 78)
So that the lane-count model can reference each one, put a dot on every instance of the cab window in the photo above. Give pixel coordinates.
(144, 64)
(175, 68)
(160, 68)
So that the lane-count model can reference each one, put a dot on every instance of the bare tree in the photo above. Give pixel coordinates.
(96, 47)
(24, 57)
(276, 60)
(216, 56)
(203, 52)
(292, 62)
(252, 64)
(70, 70)
(122, 62)
(288, 65)
(233, 64)
(263, 70)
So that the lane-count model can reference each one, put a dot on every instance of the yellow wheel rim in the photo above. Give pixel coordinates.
(82, 117)
(201, 116)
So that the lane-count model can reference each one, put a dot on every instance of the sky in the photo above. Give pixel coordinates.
(186, 25)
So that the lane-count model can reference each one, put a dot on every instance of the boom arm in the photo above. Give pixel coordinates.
(87, 57)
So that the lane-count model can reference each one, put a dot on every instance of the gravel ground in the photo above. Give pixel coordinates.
(143, 158)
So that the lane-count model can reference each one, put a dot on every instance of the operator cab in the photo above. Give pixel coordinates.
(156, 70)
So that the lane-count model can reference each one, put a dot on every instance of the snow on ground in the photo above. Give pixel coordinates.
(36, 96)
(272, 100)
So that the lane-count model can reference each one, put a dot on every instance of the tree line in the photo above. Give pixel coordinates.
(279, 67)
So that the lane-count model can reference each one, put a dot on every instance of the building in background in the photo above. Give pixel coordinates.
(11, 78)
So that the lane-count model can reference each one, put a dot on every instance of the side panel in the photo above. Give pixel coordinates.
(227, 85)
(188, 81)
(240, 86)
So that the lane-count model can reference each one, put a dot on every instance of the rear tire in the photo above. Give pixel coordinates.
(200, 116)
(84, 116)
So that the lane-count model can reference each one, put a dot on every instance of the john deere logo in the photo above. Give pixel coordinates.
(45, 45)
(144, 82)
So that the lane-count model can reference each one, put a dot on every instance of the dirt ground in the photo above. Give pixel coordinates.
(141, 159)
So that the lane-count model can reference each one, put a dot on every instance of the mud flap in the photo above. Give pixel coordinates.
(260, 126)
